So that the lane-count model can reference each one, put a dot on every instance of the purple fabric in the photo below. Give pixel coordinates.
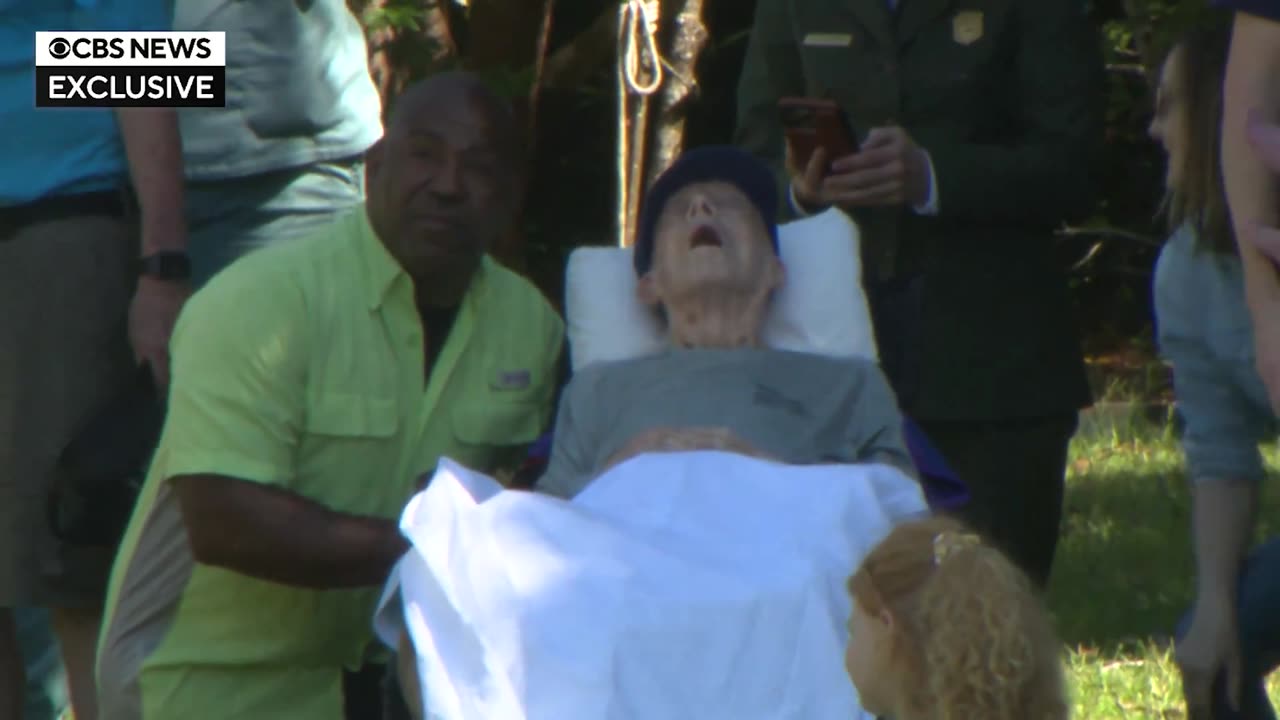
(943, 489)
(541, 449)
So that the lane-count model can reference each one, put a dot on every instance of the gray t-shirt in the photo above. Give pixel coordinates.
(298, 88)
(800, 408)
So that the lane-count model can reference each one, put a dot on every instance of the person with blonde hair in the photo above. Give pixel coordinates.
(945, 627)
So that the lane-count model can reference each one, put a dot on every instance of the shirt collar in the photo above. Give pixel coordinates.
(382, 271)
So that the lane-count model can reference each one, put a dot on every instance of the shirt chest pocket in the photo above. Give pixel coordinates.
(485, 431)
(348, 446)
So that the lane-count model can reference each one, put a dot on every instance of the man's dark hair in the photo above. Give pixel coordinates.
(459, 85)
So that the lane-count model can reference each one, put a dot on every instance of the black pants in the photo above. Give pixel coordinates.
(1016, 474)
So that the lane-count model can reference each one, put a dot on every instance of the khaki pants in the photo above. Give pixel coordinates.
(65, 287)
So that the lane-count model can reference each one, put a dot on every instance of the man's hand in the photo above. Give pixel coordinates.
(889, 170)
(1211, 645)
(152, 315)
(685, 440)
(806, 182)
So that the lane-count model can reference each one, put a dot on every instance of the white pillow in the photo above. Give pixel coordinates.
(820, 308)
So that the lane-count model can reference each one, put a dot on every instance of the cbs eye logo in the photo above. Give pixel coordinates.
(59, 48)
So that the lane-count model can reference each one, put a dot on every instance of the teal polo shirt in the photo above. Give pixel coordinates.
(60, 151)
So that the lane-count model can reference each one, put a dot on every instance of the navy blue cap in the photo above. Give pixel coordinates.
(723, 163)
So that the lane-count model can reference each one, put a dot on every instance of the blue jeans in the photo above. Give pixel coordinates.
(228, 218)
(1205, 333)
(1259, 628)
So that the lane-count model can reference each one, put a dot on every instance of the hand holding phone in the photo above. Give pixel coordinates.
(817, 134)
(830, 166)
(813, 123)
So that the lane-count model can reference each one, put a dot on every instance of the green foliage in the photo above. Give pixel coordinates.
(397, 15)
(510, 83)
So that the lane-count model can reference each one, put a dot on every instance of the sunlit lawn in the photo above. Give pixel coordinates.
(1124, 571)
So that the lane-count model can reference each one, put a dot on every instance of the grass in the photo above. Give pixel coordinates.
(1124, 572)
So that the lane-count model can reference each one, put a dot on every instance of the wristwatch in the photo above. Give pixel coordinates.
(166, 265)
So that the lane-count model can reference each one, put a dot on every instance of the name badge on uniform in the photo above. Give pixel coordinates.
(966, 27)
(512, 379)
(828, 40)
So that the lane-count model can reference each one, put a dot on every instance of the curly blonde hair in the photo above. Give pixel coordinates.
(971, 638)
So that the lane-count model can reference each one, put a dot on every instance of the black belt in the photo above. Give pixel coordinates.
(110, 203)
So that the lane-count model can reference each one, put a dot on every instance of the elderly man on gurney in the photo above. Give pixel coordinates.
(708, 267)
(706, 255)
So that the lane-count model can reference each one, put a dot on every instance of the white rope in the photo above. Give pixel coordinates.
(641, 23)
(637, 37)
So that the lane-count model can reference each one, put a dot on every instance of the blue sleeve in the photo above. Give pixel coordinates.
(1222, 424)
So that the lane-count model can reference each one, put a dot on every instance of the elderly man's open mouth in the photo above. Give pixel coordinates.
(705, 236)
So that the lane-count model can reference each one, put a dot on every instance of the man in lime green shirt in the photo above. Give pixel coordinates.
(314, 383)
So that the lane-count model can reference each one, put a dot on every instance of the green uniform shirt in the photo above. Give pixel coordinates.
(974, 320)
(303, 367)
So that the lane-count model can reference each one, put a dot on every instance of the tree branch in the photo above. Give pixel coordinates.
(1111, 233)
(595, 47)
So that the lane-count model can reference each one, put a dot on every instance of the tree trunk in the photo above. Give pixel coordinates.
(570, 67)
(508, 39)
(398, 56)
(688, 36)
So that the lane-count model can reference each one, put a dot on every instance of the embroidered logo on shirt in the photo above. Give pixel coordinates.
(512, 379)
(768, 397)
(966, 27)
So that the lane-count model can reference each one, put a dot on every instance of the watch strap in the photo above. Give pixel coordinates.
(166, 265)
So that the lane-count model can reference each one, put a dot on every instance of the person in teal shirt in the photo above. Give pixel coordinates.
(90, 210)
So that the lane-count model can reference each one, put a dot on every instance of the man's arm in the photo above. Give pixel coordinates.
(154, 152)
(1042, 174)
(1252, 83)
(236, 414)
(272, 534)
(771, 70)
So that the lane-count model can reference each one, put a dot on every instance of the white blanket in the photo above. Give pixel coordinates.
(696, 585)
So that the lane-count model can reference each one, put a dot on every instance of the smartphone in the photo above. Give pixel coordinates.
(812, 123)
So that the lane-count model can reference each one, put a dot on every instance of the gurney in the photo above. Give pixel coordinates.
(582, 642)
(694, 585)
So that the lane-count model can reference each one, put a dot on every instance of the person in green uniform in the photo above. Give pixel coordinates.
(977, 123)
(315, 383)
